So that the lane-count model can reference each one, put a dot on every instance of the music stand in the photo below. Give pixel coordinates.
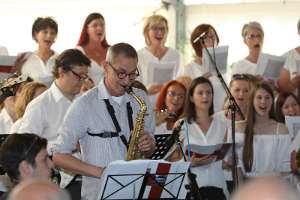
(162, 147)
(151, 180)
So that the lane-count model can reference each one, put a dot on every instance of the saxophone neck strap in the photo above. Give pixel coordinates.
(111, 112)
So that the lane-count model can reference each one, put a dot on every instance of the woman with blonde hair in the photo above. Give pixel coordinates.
(27, 94)
(156, 54)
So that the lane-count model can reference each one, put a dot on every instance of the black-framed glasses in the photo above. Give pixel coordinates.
(80, 77)
(122, 75)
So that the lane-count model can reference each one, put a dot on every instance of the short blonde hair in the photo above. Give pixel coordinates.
(153, 20)
(252, 25)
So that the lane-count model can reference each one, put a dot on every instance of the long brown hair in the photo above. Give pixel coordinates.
(190, 110)
(251, 120)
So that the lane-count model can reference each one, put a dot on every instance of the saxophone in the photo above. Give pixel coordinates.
(133, 152)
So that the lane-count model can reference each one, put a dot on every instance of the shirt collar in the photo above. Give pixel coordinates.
(104, 94)
(56, 92)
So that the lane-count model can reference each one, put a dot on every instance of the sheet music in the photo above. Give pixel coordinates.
(218, 150)
(127, 180)
(269, 66)
(161, 72)
(221, 54)
(293, 124)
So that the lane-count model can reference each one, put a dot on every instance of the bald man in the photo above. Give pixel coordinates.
(266, 188)
(38, 189)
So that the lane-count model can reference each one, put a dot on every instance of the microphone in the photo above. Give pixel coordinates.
(201, 36)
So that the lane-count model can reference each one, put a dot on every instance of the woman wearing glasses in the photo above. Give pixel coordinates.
(196, 68)
(92, 42)
(156, 55)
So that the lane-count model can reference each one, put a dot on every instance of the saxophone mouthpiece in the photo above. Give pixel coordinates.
(128, 89)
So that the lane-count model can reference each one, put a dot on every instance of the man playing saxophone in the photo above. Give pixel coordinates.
(102, 121)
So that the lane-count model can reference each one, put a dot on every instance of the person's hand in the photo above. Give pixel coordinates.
(205, 160)
(146, 144)
(154, 88)
(21, 59)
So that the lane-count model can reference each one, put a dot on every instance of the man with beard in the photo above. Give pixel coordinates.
(253, 36)
(101, 121)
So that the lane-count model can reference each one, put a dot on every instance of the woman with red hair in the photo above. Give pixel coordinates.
(93, 44)
(169, 106)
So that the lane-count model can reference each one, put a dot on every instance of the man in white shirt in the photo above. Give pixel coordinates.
(44, 114)
(253, 35)
(102, 120)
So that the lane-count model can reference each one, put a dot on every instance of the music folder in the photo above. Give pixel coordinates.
(143, 179)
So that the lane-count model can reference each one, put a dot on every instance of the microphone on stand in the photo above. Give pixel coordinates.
(200, 37)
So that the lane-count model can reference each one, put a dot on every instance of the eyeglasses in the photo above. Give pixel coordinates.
(34, 141)
(253, 36)
(157, 28)
(80, 77)
(236, 77)
(122, 75)
(174, 94)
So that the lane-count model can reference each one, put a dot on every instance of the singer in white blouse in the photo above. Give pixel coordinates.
(201, 128)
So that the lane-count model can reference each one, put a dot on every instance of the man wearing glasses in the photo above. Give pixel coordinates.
(253, 35)
(44, 114)
(24, 156)
(102, 120)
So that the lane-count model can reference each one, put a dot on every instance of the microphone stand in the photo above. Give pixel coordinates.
(193, 186)
(233, 106)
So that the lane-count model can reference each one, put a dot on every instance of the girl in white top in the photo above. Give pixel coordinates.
(156, 53)
(267, 142)
(202, 129)
(93, 44)
(290, 75)
(39, 64)
(196, 68)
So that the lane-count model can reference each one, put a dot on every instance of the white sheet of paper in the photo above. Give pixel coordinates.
(161, 72)
(293, 124)
(7, 60)
(269, 66)
(128, 169)
(221, 55)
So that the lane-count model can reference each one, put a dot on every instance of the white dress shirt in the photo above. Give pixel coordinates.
(38, 70)
(88, 114)
(45, 113)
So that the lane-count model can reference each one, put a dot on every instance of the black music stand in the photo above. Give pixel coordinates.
(139, 185)
(162, 146)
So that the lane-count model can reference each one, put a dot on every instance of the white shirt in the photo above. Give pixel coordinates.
(244, 67)
(45, 113)
(38, 70)
(162, 129)
(88, 114)
(195, 70)
(270, 154)
(212, 174)
(147, 60)
(290, 62)
(95, 71)
(5, 122)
